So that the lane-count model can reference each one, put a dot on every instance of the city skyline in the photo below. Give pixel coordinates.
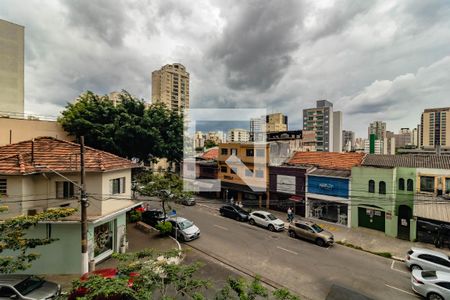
(389, 60)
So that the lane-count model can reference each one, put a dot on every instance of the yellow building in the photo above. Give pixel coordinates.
(435, 128)
(170, 85)
(276, 122)
(11, 67)
(243, 173)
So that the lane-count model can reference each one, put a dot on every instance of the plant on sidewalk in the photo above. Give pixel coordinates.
(135, 216)
(13, 237)
(165, 228)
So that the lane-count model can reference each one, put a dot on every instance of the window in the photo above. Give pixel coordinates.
(447, 185)
(7, 292)
(250, 152)
(260, 152)
(371, 186)
(3, 186)
(117, 185)
(233, 151)
(248, 173)
(410, 185)
(65, 190)
(223, 169)
(259, 173)
(427, 184)
(233, 170)
(401, 184)
(224, 151)
(382, 187)
(445, 285)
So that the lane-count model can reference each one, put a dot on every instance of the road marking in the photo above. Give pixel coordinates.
(392, 268)
(221, 227)
(287, 250)
(400, 290)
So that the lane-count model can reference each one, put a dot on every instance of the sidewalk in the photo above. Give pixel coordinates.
(367, 239)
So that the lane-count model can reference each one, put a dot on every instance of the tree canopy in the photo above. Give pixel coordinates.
(129, 129)
(13, 238)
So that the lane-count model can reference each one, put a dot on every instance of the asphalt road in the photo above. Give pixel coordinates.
(304, 268)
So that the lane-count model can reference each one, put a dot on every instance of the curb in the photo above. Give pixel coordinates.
(401, 259)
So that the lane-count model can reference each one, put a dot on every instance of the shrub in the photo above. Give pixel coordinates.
(164, 227)
(135, 216)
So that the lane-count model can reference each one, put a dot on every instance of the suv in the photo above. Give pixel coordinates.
(184, 229)
(153, 216)
(26, 287)
(234, 212)
(266, 219)
(424, 259)
(431, 284)
(311, 231)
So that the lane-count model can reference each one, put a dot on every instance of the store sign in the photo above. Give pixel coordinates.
(337, 187)
(326, 186)
(286, 184)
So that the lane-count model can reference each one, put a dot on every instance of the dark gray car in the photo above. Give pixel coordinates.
(26, 287)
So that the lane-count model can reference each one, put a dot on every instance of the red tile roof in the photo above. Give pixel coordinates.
(210, 154)
(28, 157)
(327, 160)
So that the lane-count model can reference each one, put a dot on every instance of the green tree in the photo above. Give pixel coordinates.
(129, 129)
(13, 238)
(210, 144)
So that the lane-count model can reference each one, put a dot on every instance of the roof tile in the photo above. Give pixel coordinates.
(327, 160)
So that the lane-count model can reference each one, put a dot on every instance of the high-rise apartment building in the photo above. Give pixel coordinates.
(348, 140)
(378, 128)
(238, 135)
(320, 120)
(276, 122)
(11, 68)
(435, 128)
(170, 85)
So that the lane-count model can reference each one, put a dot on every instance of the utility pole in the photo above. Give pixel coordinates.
(84, 204)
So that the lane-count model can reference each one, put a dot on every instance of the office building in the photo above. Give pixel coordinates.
(435, 130)
(11, 68)
(170, 86)
(258, 129)
(320, 120)
(238, 135)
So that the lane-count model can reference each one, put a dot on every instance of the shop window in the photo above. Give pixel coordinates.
(103, 238)
(117, 185)
(427, 184)
(223, 169)
(410, 185)
(250, 152)
(224, 151)
(382, 187)
(371, 186)
(3, 186)
(65, 190)
(401, 184)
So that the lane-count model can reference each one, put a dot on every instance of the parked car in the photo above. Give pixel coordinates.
(105, 273)
(234, 212)
(433, 285)
(184, 229)
(27, 287)
(425, 259)
(311, 231)
(266, 219)
(188, 201)
(153, 216)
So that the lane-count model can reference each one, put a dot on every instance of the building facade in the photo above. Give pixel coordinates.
(435, 128)
(276, 122)
(378, 128)
(348, 140)
(238, 135)
(403, 138)
(170, 86)
(12, 68)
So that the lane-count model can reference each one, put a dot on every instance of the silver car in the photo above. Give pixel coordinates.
(433, 285)
(184, 229)
(266, 219)
(26, 287)
(425, 259)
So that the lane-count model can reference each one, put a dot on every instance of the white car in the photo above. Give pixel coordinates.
(425, 259)
(184, 229)
(266, 219)
(433, 285)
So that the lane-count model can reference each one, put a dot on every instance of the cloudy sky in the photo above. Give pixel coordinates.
(375, 60)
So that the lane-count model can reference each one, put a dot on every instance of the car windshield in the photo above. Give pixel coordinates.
(238, 209)
(185, 224)
(316, 228)
(271, 217)
(28, 285)
(428, 274)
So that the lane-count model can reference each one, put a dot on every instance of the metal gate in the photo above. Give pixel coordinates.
(371, 218)
(404, 222)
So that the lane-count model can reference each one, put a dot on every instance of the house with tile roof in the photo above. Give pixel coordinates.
(43, 173)
(326, 179)
(405, 196)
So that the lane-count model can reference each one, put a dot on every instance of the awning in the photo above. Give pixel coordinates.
(296, 198)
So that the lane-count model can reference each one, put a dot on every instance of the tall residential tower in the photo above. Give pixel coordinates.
(435, 128)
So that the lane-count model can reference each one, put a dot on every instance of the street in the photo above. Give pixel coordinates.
(304, 268)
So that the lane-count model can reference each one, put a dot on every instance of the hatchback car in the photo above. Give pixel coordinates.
(26, 287)
(234, 212)
(266, 219)
(188, 201)
(433, 285)
(153, 216)
(311, 231)
(425, 259)
(184, 229)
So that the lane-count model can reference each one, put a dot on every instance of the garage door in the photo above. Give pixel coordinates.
(371, 218)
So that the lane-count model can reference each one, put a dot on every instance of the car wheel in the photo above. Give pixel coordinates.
(415, 267)
(252, 222)
(221, 213)
(292, 234)
(238, 218)
(434, 296)
(320, 242)
(271, 228)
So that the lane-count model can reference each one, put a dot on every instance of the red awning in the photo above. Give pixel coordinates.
(296, 198)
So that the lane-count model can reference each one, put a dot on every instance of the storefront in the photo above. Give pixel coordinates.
(232, 192)
(327, 196)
